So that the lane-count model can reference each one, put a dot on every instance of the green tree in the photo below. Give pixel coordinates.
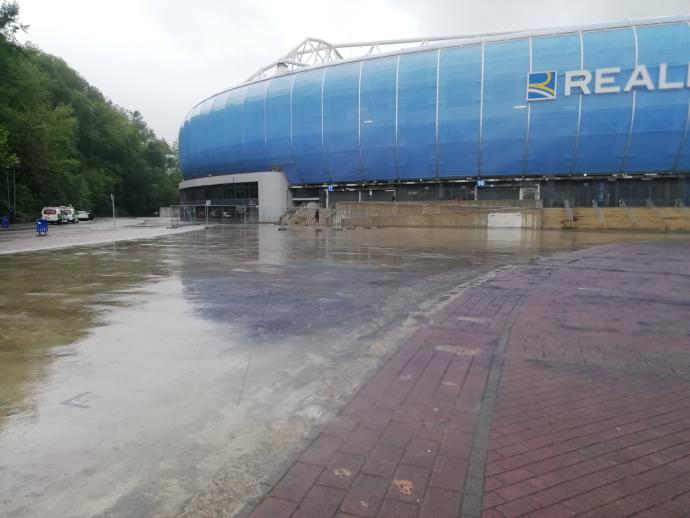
(9, 21)
(67, 143)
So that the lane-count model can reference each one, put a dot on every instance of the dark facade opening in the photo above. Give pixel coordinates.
(245, 193)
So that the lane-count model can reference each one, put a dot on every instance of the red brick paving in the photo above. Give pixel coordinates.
(591, 416)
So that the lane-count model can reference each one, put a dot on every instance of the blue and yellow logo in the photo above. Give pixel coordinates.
(541, 86)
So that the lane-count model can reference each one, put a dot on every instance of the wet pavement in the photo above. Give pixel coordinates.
(138, 374)
(22, 237)
(549, 389)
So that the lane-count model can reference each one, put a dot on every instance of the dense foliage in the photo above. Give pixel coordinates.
(65, 143)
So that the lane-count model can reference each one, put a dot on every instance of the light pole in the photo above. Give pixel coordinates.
(7, 178)
(112, 200)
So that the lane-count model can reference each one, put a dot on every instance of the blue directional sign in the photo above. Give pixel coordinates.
(330, 188)
(481, 183)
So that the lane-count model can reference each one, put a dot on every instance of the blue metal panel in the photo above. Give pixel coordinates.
(659, 126)
(215, 137)
(193, 132)
(183, 139)
(682, 164)
(183, 147)
(605, 118)
(233, 130)
(378, 104)
(278, 126)
(254, 116)
(202, 134)
(459, 111)
(341, 122)
(394, 121)
(417, 115)
(504, 108)
(307, 125)
(553, 123)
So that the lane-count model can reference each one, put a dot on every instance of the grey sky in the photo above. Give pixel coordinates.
(162, 57)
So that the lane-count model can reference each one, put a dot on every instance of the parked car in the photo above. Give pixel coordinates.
(52, 215)
(69, 215)
(84, 215)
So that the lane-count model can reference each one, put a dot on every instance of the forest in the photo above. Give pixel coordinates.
(62, 142)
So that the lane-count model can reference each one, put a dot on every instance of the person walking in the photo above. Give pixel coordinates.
(316, 217)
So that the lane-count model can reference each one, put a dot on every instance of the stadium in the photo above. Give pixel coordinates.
(577, 115)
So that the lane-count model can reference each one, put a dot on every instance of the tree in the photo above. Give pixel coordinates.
(7, 159)
(9, 21)
(67, 142)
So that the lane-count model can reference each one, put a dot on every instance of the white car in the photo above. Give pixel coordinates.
(69, 215)
(84, 215)
(52, 215)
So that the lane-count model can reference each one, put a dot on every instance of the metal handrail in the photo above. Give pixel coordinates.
(651, 206)
(600, 213)
(679, 203)
(622, 205)
(283, 219)
(327, 218)
(569, 211)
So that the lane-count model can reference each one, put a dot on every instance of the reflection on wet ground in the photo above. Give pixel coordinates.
(133, 374)
(53, 298)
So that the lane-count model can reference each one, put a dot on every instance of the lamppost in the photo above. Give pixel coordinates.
(112, 200)
(7, 181)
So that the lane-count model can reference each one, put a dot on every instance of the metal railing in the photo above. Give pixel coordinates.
(600, 213)
(622, 205)
(224, 214)
(327, 216)
(570, 213)
(285, 216)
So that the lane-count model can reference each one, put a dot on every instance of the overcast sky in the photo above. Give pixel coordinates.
(162, 57)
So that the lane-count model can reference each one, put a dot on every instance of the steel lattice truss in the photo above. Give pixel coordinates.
(311, 51)
(314, 51)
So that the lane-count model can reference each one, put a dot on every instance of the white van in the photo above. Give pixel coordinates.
(52, 215)
(69, 215)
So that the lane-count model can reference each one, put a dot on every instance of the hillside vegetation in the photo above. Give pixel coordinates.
(63, 142)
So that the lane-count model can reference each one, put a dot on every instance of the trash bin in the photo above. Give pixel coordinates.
(41, 227)
(5, 222)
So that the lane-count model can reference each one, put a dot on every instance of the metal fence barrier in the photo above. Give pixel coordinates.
(223, 214)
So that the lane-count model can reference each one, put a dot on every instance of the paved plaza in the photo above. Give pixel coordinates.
(22, 237)
(556, 388)
(400, 372)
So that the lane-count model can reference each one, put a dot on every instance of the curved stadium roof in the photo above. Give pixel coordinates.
(453, 107)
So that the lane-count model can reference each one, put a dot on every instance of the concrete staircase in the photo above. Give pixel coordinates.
(303, 216)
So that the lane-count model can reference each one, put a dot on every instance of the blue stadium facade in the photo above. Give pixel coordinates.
(601, 100)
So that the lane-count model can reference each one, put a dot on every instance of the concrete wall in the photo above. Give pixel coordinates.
(475, 215)
(435, 214)
(273, 190)
(665, 219)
